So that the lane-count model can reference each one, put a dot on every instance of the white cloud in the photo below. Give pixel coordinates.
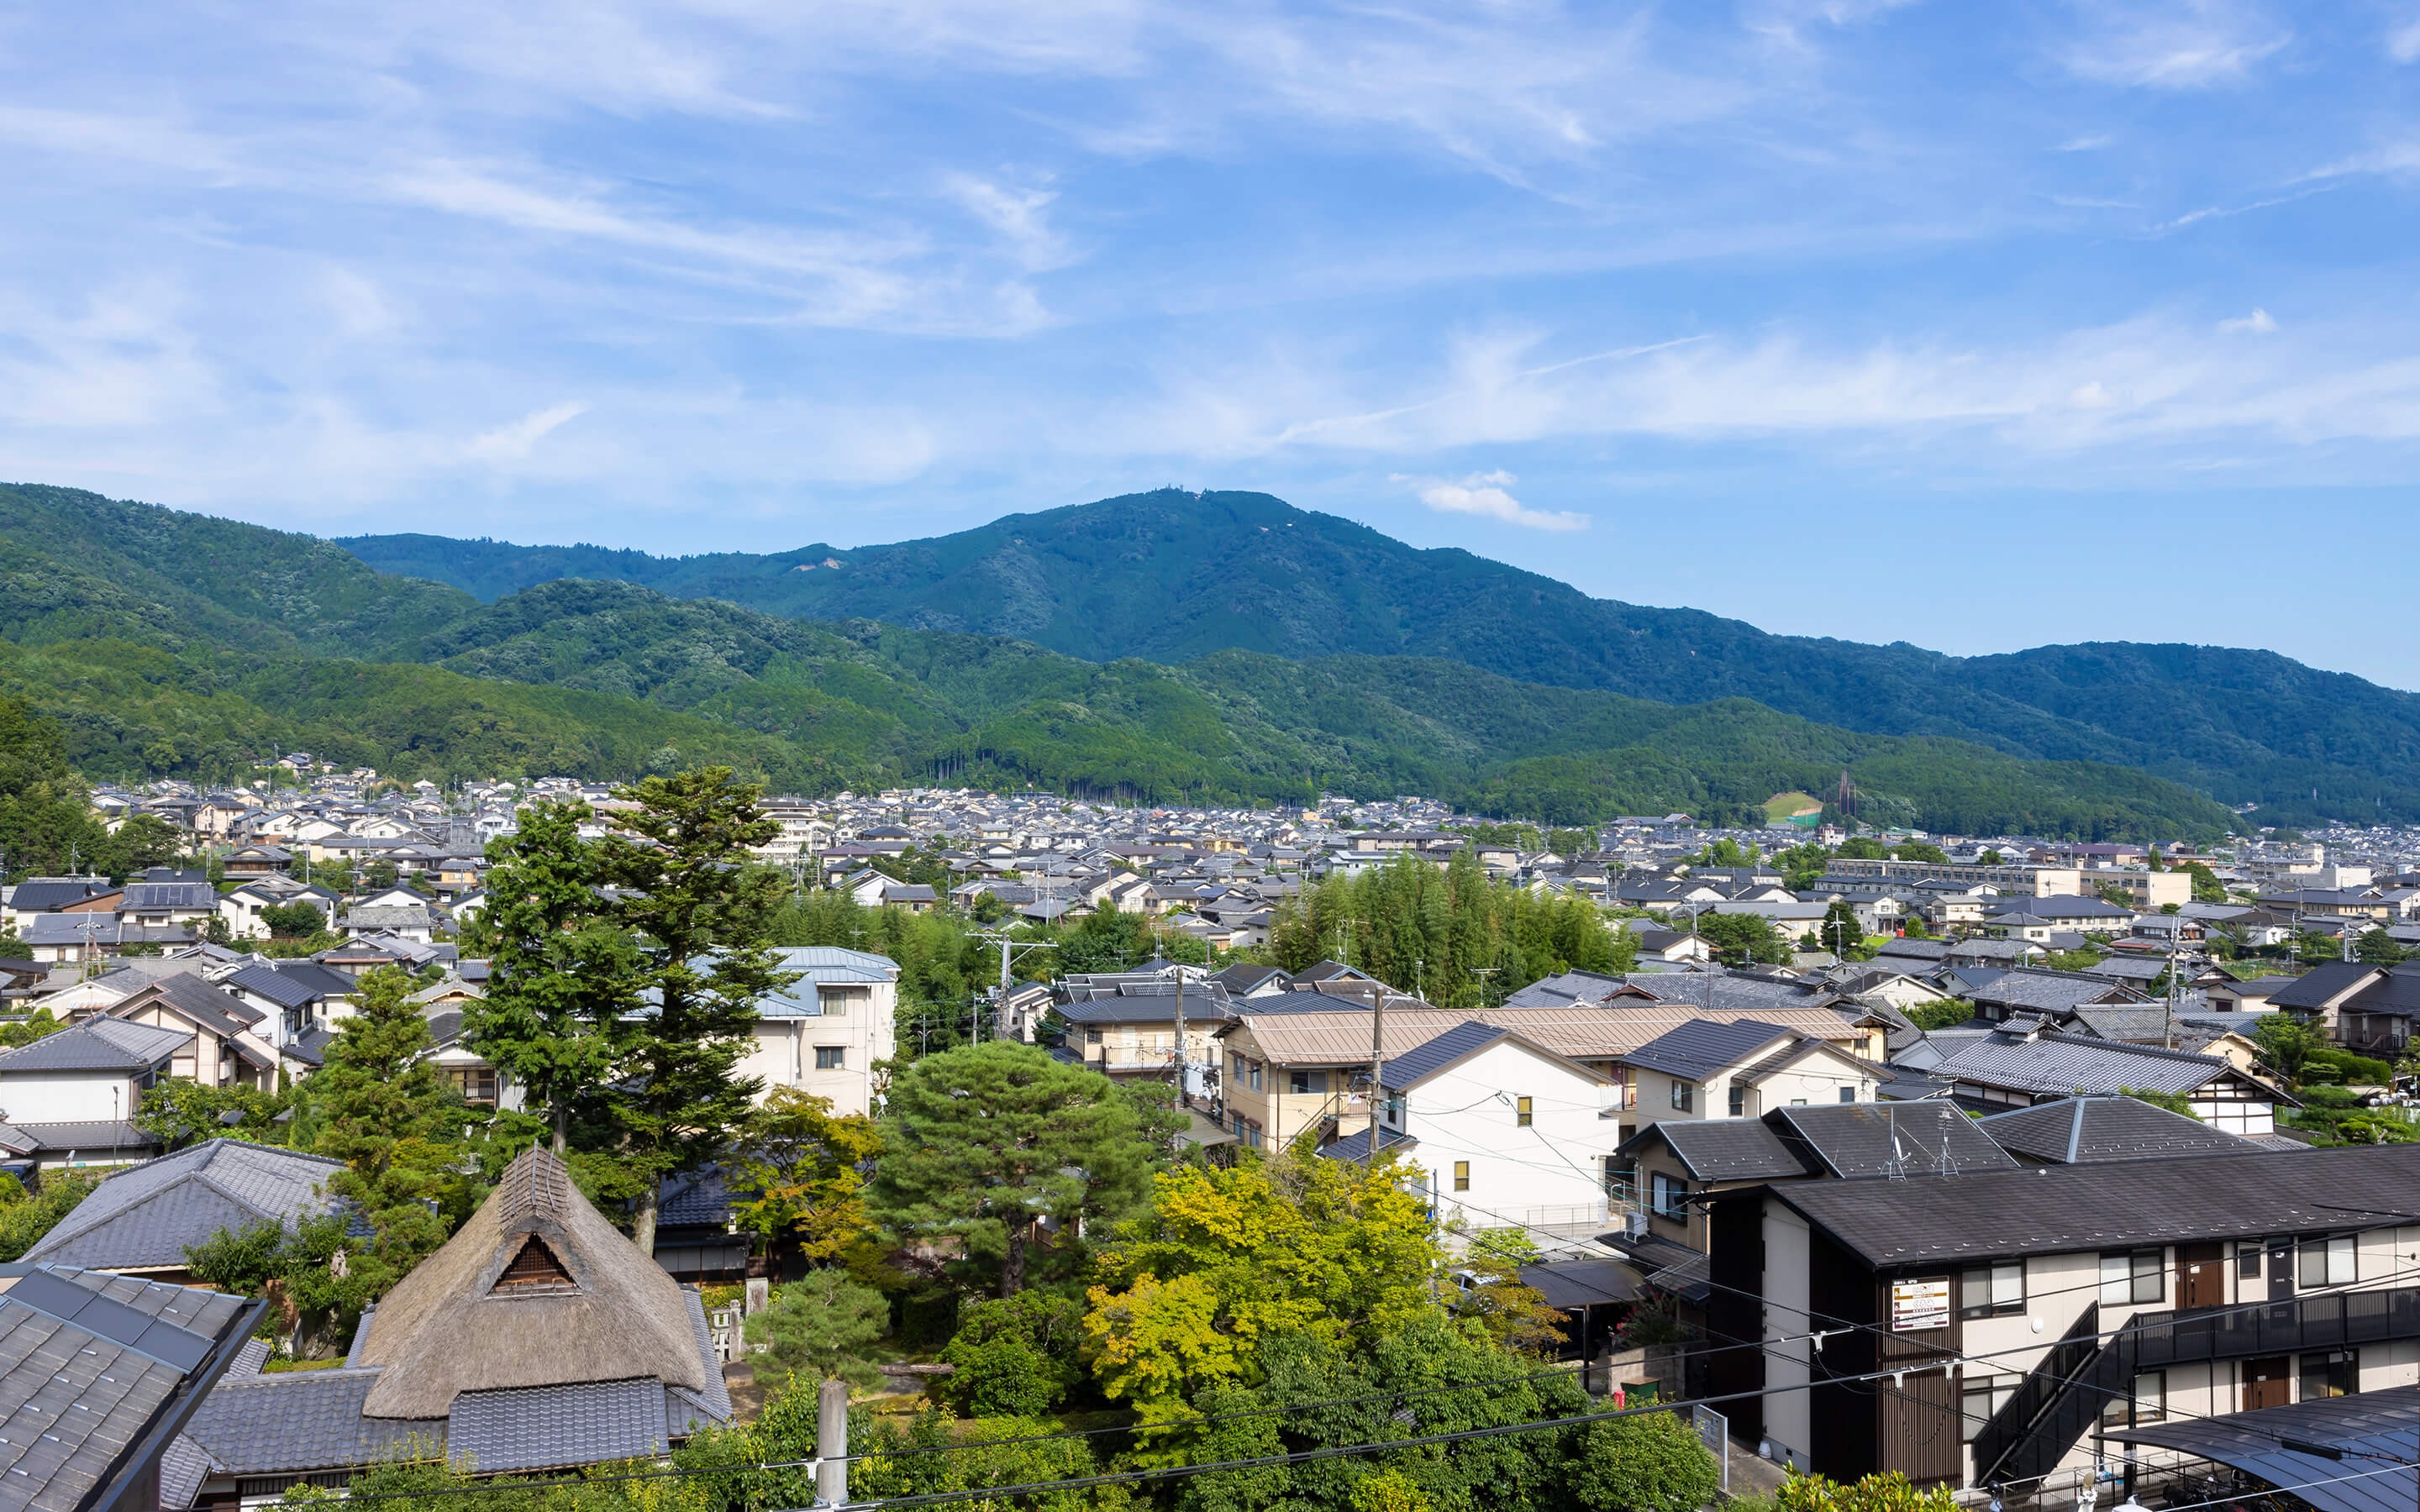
(2171, 44)
(2084, 143)
(1483, 493)
(514, 441)
(2403, 41)
(2258, 320)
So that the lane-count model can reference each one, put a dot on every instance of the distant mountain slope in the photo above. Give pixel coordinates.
(165, 643)
(1172, 576)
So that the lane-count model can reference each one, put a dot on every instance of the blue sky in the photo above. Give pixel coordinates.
(1978, 327)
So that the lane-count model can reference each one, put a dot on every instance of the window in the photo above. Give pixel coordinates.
(832, 1058)
(1256, 1076)
(1669, 1196)
(1993, 1290)
(1394, 1108)
(1298, 1082)
(2131, 1277)
(1847, 1094)
(1462, 1176)
(1980, 1399)
(1739, 1101)
(2148, 1403)
(2329, 1373)
(1520, 1112)
(1239, 1068)
(2247, 1262)
(1684, 1095)
(1627, 1092)
(2325, 1262)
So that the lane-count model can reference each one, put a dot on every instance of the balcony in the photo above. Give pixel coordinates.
(2322, 1323)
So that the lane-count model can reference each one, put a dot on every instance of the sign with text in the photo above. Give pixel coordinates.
(1920, 1304)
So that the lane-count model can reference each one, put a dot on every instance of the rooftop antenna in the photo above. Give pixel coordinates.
(1948, 1164)
(1896, 1167)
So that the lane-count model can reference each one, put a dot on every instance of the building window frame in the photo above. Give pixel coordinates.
(2133, 1277)
(1462, 1176)
(1522, 1113)
(2329, 1260)
(1684, 1096)
(1996, 1290)
(832, 1058)
(1668, 1196)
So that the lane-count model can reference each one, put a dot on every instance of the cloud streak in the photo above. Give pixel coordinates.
(1484, 494)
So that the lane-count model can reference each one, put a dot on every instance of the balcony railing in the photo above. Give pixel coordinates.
(2330, 1320)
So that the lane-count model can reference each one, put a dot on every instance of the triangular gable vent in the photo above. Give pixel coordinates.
(535, 1269)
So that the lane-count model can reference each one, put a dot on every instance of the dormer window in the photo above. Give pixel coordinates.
(536, 1269)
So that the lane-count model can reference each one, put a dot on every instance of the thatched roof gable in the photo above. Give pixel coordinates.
(536, 1290)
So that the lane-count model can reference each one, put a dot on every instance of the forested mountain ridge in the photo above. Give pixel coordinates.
(203, 644)
(1172, 576)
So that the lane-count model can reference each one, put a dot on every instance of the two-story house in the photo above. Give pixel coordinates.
(1991, 1329)
(1741, 1069)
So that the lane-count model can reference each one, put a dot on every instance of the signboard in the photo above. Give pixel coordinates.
(1714, 1432)
(1920, 1304)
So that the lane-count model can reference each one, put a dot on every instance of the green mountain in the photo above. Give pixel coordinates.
(1169, 576)
(165, 642)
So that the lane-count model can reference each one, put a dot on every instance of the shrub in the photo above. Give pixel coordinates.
(820, 1326)
(1649, 1463)
(1893, 1493)
(1014, 1357)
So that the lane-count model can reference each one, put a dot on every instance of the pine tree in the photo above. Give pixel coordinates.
(562, 982)
(387, 1115)
(981, 1143)
(700, 912)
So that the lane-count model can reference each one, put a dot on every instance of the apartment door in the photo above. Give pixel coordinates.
(2268, 1382)
(2281, 1270)
(2201, 1275)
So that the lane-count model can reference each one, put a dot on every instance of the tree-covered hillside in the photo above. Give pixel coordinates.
(1171, 576)
(165, 644)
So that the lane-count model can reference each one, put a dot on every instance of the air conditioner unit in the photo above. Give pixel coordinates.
(1634, 1225)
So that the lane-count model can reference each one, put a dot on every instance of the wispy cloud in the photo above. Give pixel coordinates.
(1483, 493)
(514, 441)
(2258, 320)
(2172, 44)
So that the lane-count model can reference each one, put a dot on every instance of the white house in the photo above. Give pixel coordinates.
(1497, 1127)
(824, 1034)
(1741, 1069)
(95, 1072)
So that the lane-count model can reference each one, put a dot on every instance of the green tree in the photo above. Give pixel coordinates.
(983, 1142)
(35, 1026)
(701, 910)
(44, 824)
(391, 1118)
(1990, 857)
(1940, 1015)
(294, 921)
(563, 990)
(1225, 1258)
(1893, 1493)
(1648, 1463)
(798, 1177)
(2207, 889)
(2378, 949)
(25, 1219)
(2172, 1102)
(1744, 939)
(2286, 1044)
(1841, 933)
(822, 1326)
(1801, 865)
(1918, 851)
(1862, 848)
(180, 1112)
(1013, 1356)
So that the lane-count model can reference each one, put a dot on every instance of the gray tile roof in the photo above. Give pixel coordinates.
(302, 1420)
(1425, 1060)
(1855, 1139)
(222, 1013)
(2083, 1130)
(542, 1428)
(2066, 1063)
(1700, 1050)
(87, 1363)
(146, 1217)
(2329, 979)
(1722, 1150)
(2056, 1209)
(98, 1043)
(104, 1134)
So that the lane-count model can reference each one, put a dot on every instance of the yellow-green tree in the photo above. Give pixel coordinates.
(1226, 1258)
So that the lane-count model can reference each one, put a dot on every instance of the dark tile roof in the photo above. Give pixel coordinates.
(1355, 1148)
(96, 1044)
(2065, 1063)
(2329, 979)
(102, 1133)
(146, 1217)
(1427, 1060)
(2055, 1209)
(1722, 1150)
(1855, 1139)
(1701, 1049)
(222, 1013)
(303, 1420)
(539, 1427)
(2083, 1130)
(41, 894)
(89, 1362)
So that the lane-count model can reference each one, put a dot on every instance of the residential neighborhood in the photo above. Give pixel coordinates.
(2029, 1062)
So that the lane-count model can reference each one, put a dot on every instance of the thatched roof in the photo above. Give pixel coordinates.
(536, 1290)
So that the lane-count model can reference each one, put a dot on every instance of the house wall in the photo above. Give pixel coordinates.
(1788, 1412)
(858, 1021)
(66, 1097)
(1550, 1171)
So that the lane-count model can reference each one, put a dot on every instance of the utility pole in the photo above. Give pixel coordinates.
(1179, 1062)
(1482, 973)
(1377, 1058)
